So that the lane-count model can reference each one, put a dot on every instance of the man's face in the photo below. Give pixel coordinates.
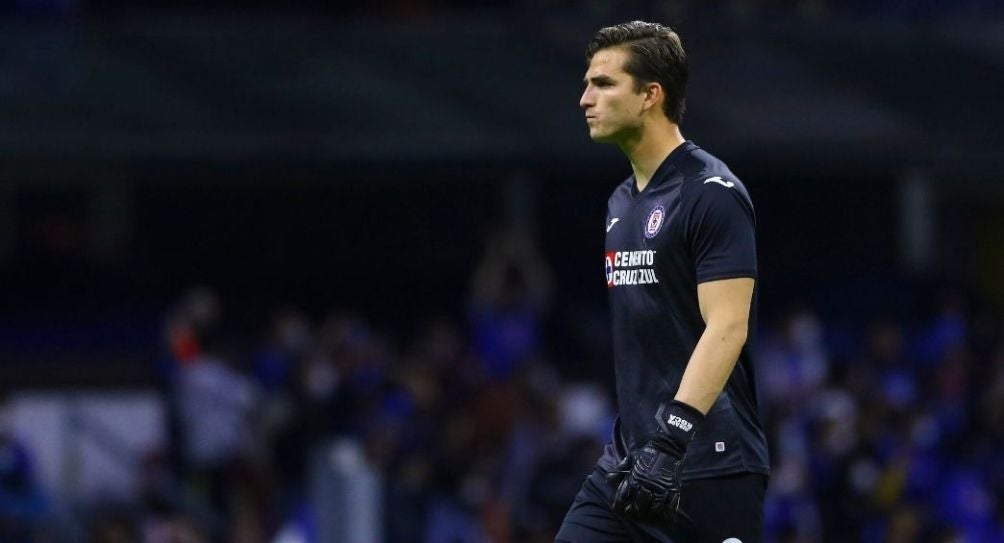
(613, 108)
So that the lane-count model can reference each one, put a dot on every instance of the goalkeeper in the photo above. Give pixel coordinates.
(687, 461)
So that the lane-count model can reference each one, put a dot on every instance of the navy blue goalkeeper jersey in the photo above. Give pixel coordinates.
(692, 223)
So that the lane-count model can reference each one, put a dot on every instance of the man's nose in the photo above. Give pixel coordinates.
(586, 100)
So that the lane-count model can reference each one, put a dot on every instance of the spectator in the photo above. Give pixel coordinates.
(509, 296)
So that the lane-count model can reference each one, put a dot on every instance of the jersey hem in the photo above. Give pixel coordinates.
(727, 275)
(711, 473)
(607, 462)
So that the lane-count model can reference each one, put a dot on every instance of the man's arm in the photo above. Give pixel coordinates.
(725, 308)
(648, 484)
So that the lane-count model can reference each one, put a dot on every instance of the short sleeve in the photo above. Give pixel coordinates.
(720, 230)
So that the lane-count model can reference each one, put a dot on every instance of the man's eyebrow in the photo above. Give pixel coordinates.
(598, 79)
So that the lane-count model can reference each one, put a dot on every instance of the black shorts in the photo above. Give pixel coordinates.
(725, 509)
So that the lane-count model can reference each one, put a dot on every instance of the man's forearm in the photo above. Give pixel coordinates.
(710, 364)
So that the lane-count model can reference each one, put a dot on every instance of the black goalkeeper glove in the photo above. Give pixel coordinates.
(648, 480)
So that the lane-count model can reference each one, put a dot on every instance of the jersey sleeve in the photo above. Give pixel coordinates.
(720, 231)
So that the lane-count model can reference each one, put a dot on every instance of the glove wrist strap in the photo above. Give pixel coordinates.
(678, 423)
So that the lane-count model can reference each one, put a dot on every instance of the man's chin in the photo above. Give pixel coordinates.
(600, 137)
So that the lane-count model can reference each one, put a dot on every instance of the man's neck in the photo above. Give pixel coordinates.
(650, 149)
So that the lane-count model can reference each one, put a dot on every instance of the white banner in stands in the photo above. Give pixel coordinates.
(85, 445)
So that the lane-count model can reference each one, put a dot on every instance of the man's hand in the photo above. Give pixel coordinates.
(650, 491)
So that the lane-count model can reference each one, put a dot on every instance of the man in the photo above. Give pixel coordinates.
(688, 458)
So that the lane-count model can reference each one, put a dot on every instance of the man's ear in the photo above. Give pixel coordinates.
(654, 96)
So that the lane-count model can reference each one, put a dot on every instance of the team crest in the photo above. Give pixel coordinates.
(654, 222)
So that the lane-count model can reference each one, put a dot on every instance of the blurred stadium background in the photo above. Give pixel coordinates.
(306, 271)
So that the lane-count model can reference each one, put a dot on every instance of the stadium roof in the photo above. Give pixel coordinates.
(478, 88)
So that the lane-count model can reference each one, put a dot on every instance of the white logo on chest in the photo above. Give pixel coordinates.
(629, 268)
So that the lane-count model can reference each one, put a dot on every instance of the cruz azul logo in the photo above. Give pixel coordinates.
(654, 222)
(630, 268)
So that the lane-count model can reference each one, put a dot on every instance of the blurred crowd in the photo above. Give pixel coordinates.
(887, 430)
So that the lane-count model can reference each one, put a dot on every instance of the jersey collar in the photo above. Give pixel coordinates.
(667, 169)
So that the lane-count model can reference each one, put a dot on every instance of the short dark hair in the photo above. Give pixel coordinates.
(656, 55)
